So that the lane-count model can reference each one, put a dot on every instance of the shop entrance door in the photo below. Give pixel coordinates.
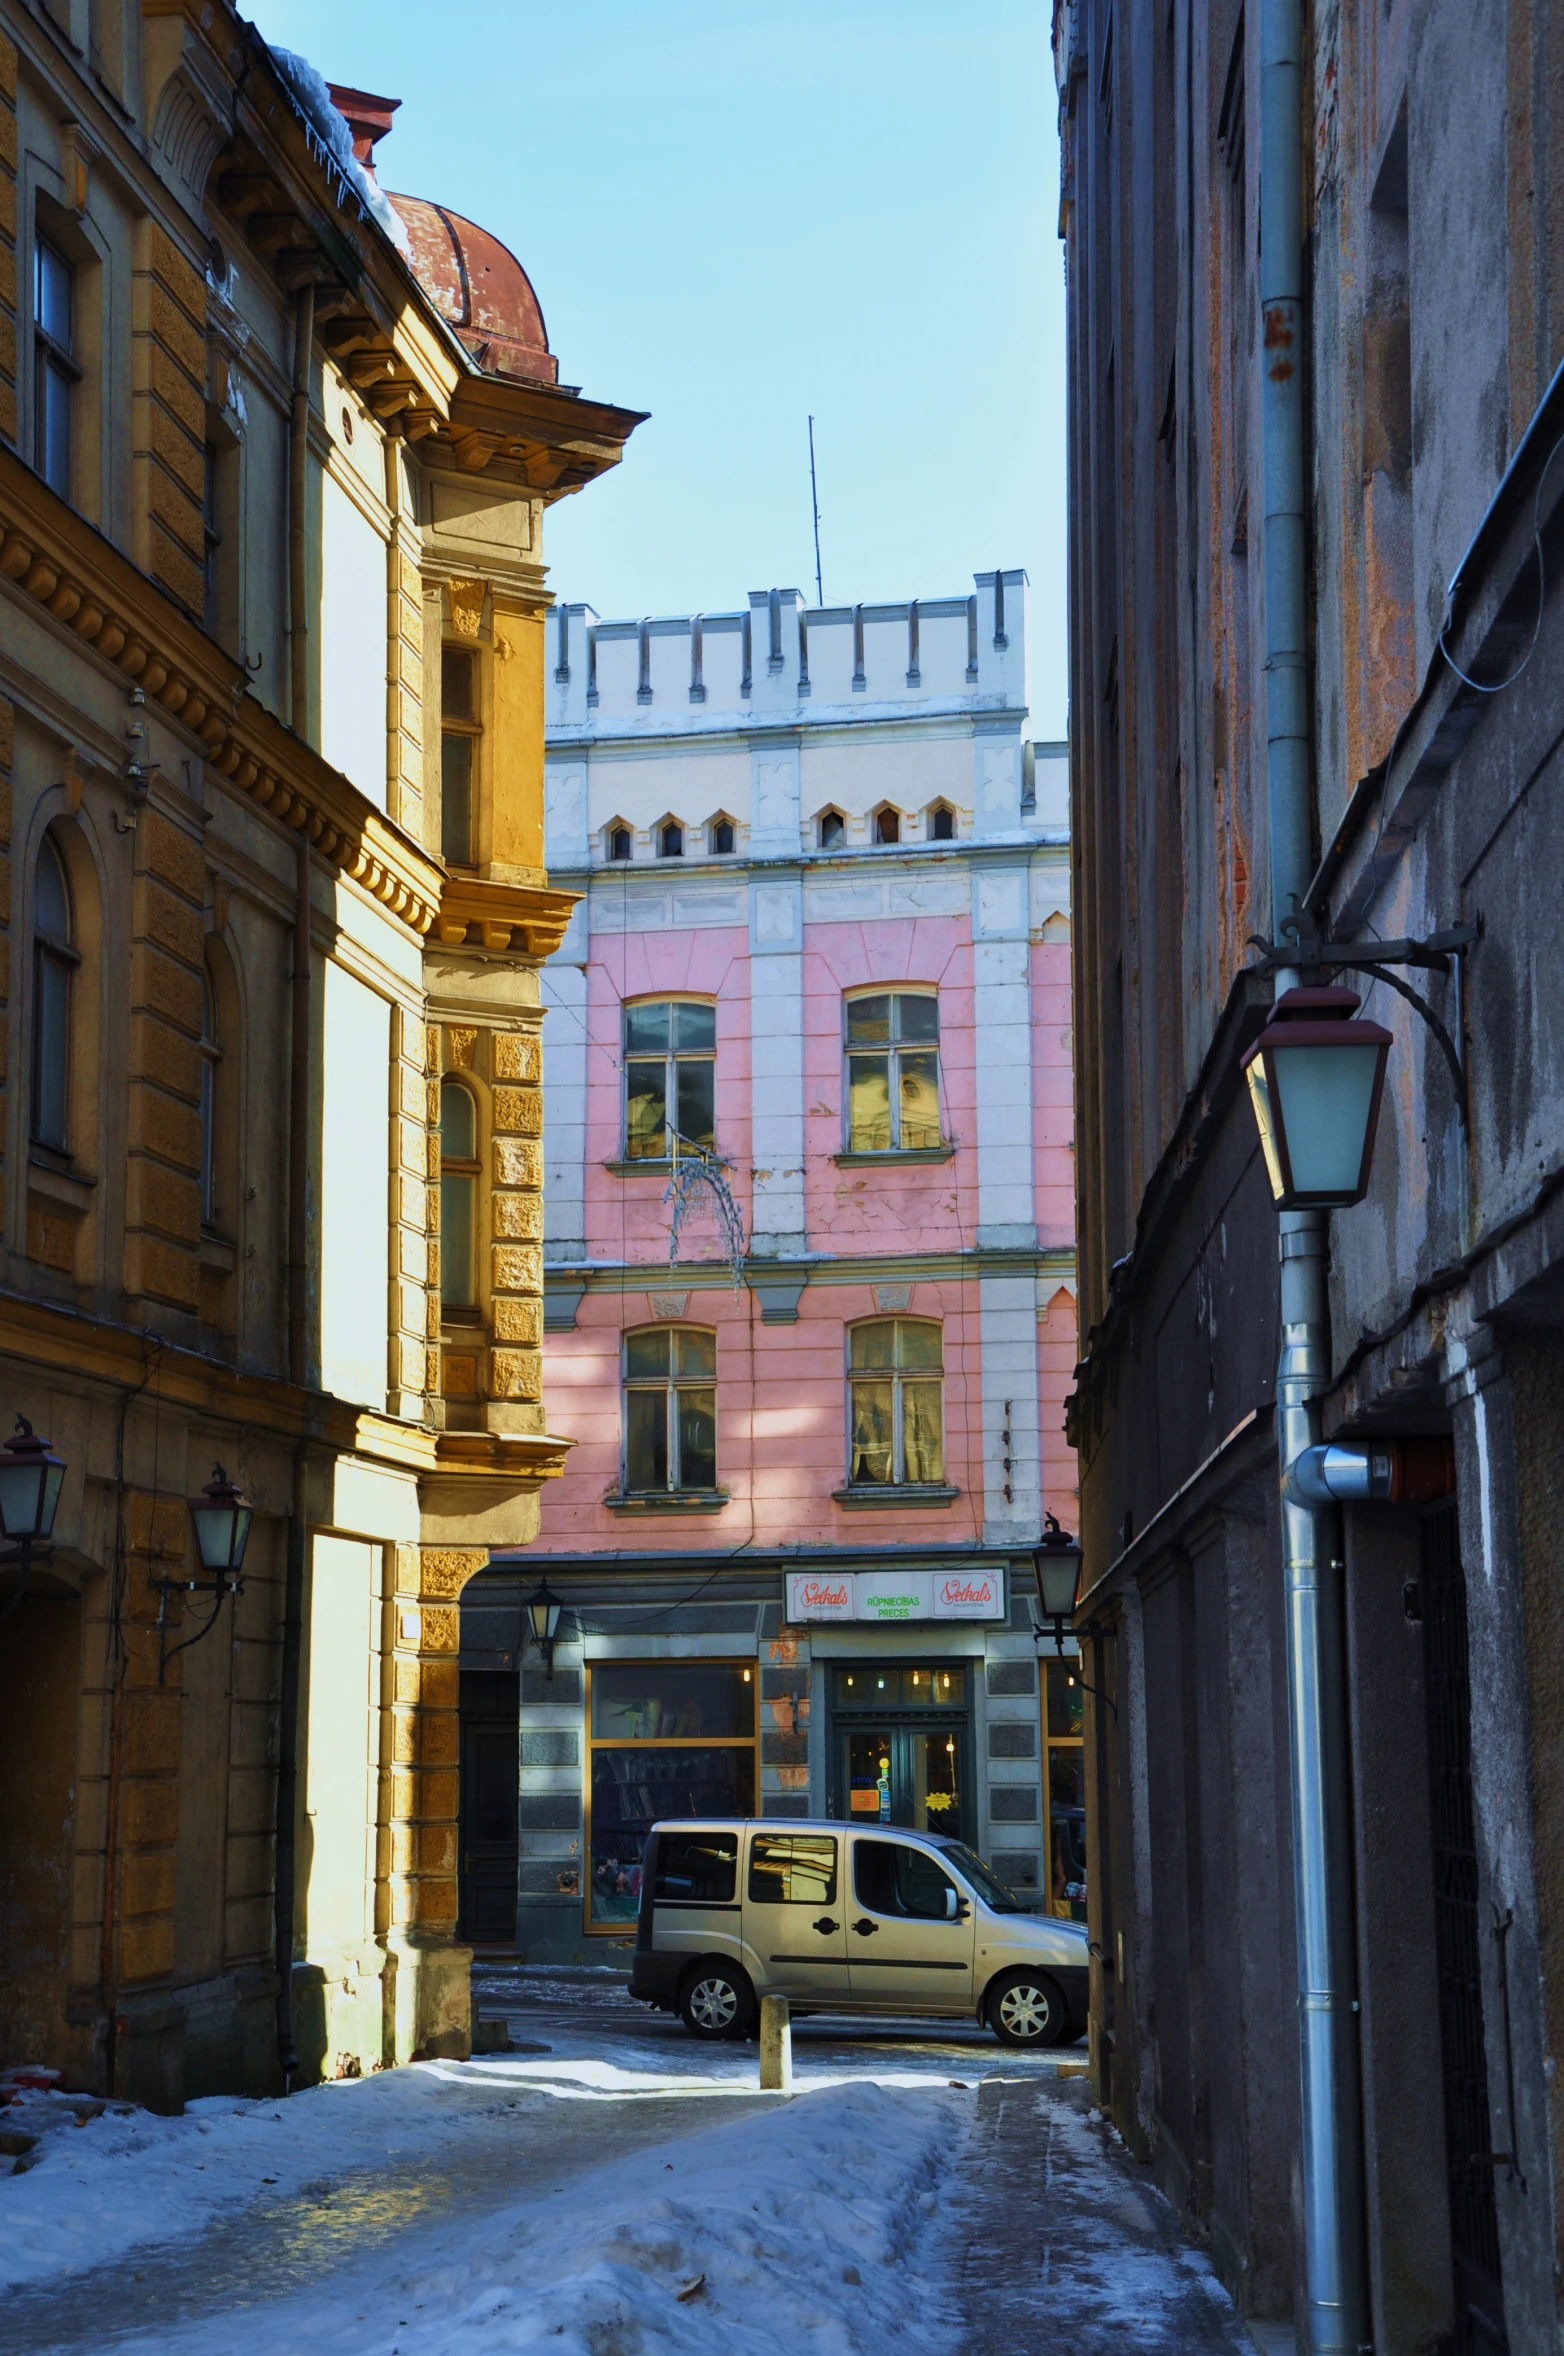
(903, 1736)
(490, 1749)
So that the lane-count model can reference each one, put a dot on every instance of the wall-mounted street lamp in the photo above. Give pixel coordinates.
(31, 1476)
(221, 1518)
(543, 1610)
(1057, 1564)
(1316, 1075)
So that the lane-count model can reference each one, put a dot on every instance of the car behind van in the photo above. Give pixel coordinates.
(846, 1918)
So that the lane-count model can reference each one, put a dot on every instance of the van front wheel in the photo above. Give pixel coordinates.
(1025, 2008)
(716, 2001)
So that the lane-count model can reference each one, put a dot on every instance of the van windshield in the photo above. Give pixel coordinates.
(989, 1887)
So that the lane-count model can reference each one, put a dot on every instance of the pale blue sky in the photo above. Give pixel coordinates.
(735, 213)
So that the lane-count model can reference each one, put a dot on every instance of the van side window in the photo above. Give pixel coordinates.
(891, 1878)
(697, 1868)
(792, 1869)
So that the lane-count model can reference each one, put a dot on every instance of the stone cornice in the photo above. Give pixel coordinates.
(73, 573)
(525, 919)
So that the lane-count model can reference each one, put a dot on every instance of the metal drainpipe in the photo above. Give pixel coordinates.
(1332, 2156)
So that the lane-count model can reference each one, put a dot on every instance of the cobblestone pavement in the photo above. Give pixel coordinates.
(1065, 2246)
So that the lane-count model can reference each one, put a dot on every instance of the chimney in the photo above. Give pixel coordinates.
(367, 117)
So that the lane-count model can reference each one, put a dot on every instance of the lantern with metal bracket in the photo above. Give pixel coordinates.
(1315, 1079)
(543, 1610)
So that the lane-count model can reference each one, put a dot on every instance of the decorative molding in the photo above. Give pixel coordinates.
(73, 573)
(524, 920)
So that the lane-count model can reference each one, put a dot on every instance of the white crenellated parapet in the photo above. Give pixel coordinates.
(777, 655)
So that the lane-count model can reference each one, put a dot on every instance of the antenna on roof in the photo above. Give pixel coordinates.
(814, 495)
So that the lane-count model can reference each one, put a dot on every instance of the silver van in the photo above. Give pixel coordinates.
(842, 1918)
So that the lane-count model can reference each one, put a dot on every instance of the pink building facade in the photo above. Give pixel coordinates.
(822, 954)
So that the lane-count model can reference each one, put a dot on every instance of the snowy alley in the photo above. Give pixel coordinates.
(609, 2188)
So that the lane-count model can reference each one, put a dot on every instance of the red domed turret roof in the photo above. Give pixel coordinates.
(479, 286)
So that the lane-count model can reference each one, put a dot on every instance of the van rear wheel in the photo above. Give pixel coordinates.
(1025, 2008)
(716, 2001)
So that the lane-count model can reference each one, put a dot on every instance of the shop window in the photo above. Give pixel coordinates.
(665, 1739)
(893, 1072)
(56, 374)
(459, 740)
(670, 1409)
(1063, 1737)
(459, 1172)
(55, 960)
(895, 1404)
(670, 1069)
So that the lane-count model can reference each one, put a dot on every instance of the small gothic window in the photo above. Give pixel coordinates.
(670, 840)
(54, 962)
(619, 842)
(887, 826)
(833, 831)
(722, 835)
(942, 825)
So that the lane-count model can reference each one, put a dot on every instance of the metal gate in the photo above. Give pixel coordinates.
(1474, 2223)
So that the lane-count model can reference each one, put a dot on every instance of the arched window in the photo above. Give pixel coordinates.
(54, 962)
(833, 831)
(210, 1053)
(887, 826)
(458, 1196)
(619, 845)
(942, 823)
(670, 840)
(670, 1409)
(722, 836)
(896, 1420)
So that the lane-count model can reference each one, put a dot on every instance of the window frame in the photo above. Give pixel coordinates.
(466, 1169)
(670, 1384)
(593, 1743)
(672, 1057)
(897, 1376)
(49, 950)
(468, 729)
(211, 1053)
(53, 358)
(893, 1050)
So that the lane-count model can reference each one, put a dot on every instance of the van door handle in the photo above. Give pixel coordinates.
(825, 1924)
(864, 1927)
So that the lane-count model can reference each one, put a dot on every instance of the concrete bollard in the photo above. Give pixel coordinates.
(776, 2046)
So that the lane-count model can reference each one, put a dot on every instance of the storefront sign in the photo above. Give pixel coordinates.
(893, 1596)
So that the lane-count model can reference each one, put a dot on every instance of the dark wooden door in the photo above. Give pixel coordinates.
(490, 1781)
(1474, 2223)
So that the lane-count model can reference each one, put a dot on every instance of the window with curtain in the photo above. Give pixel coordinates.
(458, 1196)
(893, 1072)
(54, 963)
(459, 732)
(896, 1429)
(670, 1077)
(211, 1050)
(56, 374)
(670, 1409)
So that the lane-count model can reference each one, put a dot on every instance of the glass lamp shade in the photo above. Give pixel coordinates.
(543, 1610)
(1315, 1079)
(30, 1479)
(1058, 1565)
(222, 1520)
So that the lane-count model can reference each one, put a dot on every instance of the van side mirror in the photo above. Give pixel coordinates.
(956, 1907)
